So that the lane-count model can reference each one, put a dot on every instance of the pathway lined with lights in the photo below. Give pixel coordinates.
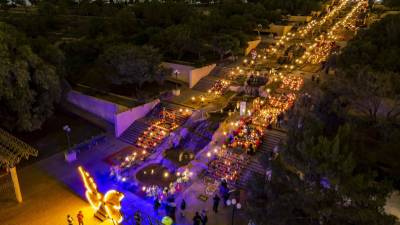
(245, 134)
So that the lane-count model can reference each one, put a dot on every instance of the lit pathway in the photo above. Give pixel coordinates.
(46, 201)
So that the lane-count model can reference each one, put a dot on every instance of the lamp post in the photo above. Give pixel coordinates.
(177, 91)
(235, 205)
(67, 130)
(176, 72)
(259, 29)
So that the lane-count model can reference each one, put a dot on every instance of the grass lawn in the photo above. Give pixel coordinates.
(51, 138)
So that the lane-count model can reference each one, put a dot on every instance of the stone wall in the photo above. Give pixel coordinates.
(190, 74)
(120, 116)
(280, 30)
(300, 19)
(251, 45)
(184, 70)
(198, 73)
(124, 119)
(102, 108)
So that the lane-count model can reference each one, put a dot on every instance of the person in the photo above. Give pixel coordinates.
(172, 210)
(70, 220)
(216, 200)
(183, 207)
(138, 218)
(204, 218)
(157, 205)
(196, 219)
(80, 218)
(251, 222)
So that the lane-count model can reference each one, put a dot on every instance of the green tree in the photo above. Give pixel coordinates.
(124, 22)
(29, 86)
(224, 44)
(333, 189)
(4, 5)
(176, 40)
(129, 64)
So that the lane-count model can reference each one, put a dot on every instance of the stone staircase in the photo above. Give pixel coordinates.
(255, 168)
(216, 74)
(131, 134)
(270, 139)
(204, 84)
(219, 71)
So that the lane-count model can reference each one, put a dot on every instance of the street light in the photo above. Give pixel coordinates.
(176, 72)
(235, 205)
(259, 29)
(67, 130)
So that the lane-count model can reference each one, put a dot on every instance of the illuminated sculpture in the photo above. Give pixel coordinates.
(105, 206)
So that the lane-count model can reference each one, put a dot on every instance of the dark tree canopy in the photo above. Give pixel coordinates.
(377, 47)
(340, 163)
(29, 86)
(129, 64)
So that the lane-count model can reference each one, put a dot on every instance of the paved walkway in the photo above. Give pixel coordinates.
(52, 189)
(46, 201)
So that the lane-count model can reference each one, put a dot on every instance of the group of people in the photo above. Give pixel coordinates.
(79, 217)
(199, 218)
(246, 136)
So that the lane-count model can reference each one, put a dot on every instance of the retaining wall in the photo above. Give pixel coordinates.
(124, 119)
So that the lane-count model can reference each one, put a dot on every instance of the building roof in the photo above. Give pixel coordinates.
(12, 150)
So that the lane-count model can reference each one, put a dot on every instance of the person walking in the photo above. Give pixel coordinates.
(197, 219)
(157, 205)
(204, 218)
(80, 218)
(172, 211)
(216, 201)
(138, 218)
(183, 207)
(70, 220)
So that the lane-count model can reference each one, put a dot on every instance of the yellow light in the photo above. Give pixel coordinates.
(166, 174)
(111, 200)
(112, 205)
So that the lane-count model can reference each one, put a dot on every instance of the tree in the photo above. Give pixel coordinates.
(129, 64)
(124, 22)
(224, 44)
(29, 86)
(4, 5)
(392, 3)
(333, 190)
(175, 40)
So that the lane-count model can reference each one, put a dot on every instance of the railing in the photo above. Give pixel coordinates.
(89, 144)
(146, 219)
